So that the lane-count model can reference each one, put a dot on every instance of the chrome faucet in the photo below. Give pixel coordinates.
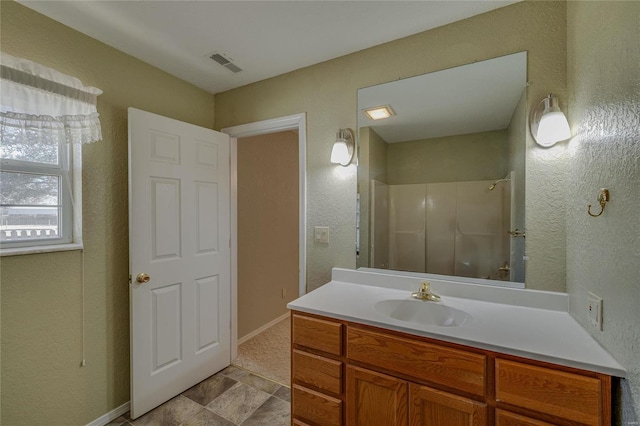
(425, 293)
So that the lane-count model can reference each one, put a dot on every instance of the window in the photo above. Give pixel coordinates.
(35, 192)
(45, 117)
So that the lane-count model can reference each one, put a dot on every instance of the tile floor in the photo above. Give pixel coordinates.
(229, 398)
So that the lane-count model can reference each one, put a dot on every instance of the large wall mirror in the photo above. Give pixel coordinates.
(441, 181)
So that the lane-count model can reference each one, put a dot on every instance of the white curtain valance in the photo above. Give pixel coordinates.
(39, 102)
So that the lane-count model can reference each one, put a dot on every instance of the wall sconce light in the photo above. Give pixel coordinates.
(343, 148)
(548, 124)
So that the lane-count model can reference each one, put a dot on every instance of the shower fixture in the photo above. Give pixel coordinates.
(493, 185)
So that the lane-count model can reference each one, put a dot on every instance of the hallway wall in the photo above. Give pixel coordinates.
(268, 228)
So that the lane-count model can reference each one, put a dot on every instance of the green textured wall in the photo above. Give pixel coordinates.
(42, 381)
(603, 253)
(460, 158)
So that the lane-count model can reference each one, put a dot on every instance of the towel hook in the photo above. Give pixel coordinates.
(603, 199)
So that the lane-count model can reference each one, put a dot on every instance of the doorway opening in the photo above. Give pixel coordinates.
(294, 125)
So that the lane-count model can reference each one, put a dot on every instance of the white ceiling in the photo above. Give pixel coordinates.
(472, 98)
(265, 38)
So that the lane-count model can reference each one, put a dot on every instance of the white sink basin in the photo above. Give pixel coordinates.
(423, 312)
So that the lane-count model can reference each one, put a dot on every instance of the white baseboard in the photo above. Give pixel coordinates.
(261, 329)
(111, 415)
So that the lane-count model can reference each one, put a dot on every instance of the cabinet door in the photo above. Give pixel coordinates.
(433, 407)
(375, 399)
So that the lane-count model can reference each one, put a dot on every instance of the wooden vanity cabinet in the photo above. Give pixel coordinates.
(356, 375)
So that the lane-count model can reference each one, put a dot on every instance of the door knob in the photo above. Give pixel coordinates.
(142, 278)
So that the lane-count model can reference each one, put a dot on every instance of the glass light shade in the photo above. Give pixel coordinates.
(340, 153)
(553, 128)
(379, 113)
(548, 123)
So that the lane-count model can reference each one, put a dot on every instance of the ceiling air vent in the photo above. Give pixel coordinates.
(225, 62)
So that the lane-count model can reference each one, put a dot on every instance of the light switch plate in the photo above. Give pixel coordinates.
(321, 234)
(594, 310)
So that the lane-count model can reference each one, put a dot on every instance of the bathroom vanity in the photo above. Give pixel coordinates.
(364, 352)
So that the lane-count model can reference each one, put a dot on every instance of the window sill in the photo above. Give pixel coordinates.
(16, 251)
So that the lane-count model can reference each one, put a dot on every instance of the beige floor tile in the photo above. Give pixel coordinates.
(171, 413)
(238, 403)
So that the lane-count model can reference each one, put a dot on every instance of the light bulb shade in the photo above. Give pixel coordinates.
(343, 148)
(340, 153)
(553, 128)
(548, 124)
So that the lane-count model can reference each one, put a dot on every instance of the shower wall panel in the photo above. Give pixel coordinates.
(379, 225)
(407, 227)
(441, 227)
(479, 241)
(455, 228)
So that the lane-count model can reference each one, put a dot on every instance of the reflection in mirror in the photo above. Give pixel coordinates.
(441, 181)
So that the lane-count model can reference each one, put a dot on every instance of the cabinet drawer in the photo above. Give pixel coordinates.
(461, 370)
(505, 418)
(315, 407)
(558, 393)
(318, 372)
(314, 333)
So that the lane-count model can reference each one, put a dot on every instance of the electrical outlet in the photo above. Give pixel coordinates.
(594, 310)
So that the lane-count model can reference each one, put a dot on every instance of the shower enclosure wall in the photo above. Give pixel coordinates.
(454, 228)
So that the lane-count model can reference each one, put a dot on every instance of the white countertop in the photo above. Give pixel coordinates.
(526, 323)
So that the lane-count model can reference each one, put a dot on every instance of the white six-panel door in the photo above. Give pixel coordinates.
(179, 237)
